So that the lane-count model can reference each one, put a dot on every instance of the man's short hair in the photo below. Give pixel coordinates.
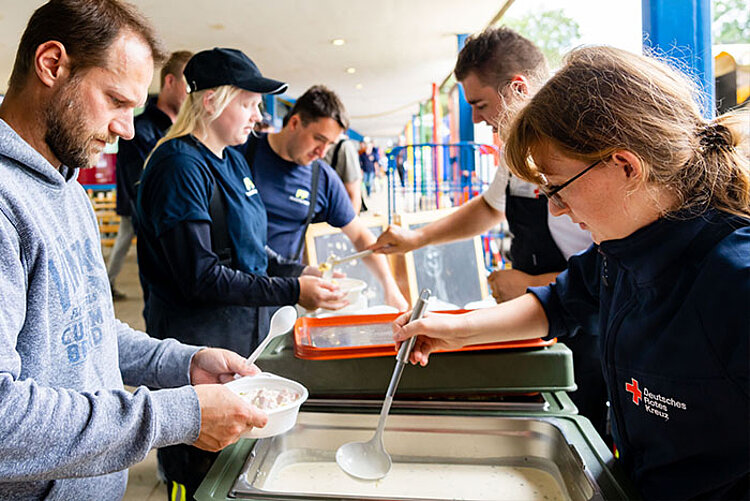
(319, 102)
(175, 64)
(496, 55)
(86, 28)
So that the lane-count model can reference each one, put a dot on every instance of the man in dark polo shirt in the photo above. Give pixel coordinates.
(150, 126)
(283, 166)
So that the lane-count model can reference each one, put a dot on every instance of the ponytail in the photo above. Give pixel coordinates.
(718, 175)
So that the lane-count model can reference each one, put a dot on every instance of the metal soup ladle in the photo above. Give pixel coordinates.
(369, 460)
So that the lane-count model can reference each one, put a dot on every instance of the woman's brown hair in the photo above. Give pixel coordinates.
(605, 99)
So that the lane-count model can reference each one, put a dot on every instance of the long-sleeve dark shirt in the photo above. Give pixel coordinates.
(150, 126)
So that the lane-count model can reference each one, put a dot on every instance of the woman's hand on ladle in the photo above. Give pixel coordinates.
(434, 331)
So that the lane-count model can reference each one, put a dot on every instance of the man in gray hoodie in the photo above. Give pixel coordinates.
(69, 429)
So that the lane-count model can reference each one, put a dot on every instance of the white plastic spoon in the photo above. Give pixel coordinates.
(281, 322)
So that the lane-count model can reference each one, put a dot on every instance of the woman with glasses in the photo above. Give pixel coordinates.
(618, 143)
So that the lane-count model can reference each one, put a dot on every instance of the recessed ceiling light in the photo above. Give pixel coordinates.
(358, 86)
(351, 70)
(338, 41)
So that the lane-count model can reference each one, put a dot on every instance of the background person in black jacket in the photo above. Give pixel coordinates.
(150, 126)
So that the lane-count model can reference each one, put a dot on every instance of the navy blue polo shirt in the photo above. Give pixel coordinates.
(176, 187)
(285, 189)
(368, 161)
(150, 126)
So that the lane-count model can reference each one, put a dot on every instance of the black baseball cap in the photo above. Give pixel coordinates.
(220, 66)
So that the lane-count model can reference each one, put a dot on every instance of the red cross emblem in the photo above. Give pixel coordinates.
(632, 387)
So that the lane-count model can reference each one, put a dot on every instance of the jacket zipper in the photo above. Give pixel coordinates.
(609, 353)
(611, 336)
(605, 268)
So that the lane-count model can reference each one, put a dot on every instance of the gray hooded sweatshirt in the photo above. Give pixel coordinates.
(68, 428)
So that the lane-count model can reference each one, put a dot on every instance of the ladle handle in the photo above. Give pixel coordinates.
(356, 255)
(403, 357)
(416, 314)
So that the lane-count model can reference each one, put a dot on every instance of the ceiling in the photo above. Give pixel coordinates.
(397, 48)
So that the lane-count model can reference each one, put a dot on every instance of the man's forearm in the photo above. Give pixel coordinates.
(362, 238)
(377, 263)
(471, 219)
(354, 191)
(543, 279)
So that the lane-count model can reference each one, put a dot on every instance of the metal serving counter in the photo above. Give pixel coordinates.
(467, 418)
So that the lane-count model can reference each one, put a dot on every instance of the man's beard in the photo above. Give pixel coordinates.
(67, 136)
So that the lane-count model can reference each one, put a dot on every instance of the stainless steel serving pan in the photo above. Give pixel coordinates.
(548, 444)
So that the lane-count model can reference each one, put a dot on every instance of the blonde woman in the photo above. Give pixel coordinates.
(202, 231)
(617, 142)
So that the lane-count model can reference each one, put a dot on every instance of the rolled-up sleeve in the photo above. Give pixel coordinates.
(571, 303)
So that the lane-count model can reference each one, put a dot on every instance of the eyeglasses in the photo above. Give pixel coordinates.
(551, 191)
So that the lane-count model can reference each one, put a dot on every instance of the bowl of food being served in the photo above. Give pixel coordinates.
(352, 287)
(278, 397)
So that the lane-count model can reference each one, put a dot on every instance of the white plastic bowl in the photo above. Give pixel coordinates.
(281, 419)
(352, 287)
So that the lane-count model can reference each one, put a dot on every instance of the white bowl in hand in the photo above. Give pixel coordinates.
(352, 287)
(278, 397)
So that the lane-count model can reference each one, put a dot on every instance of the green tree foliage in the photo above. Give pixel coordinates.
(731, 21)
(552, 31)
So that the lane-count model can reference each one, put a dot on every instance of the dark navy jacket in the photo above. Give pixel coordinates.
(150, 126)
(671, 303)
(192, 296)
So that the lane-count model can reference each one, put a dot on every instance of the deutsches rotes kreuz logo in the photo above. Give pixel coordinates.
(301, 197)
(653, 403)
(249, 187)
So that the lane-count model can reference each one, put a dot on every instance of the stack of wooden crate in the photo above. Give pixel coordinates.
(104, 207)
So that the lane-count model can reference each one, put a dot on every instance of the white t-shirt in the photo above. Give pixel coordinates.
(495, 193)
(568, 236)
